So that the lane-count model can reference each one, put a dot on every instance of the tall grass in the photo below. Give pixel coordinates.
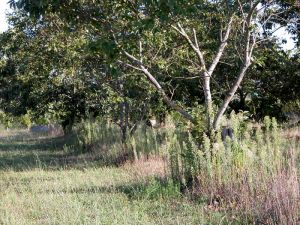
(104, 138)
(254, 177)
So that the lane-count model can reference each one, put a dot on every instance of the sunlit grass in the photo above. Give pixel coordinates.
(33, 192)
(50, 180)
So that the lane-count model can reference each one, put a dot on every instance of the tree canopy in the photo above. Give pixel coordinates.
(142, 58)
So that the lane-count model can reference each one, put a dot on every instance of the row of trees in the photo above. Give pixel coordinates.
(133, 59)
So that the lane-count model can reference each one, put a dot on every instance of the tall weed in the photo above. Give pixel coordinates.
(254, 174)
(104, 138)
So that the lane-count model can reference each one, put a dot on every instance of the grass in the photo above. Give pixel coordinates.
(41, 183)
(52, 180)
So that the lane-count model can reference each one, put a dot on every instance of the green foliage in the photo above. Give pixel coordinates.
(292, 107)
(26, 120)
(82, 43)
(6, 120)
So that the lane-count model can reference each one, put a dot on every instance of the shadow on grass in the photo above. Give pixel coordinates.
(154, 188)
(24, 151)
(26, 141)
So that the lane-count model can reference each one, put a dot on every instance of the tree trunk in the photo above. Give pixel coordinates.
(230, 95)
(242, 104)
(68, 123)
(123, 118)
(208, 102)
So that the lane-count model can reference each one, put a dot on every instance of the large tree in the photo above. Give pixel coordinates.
(237, 31)
(146, 35)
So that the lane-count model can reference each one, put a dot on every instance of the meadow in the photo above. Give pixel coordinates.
(150, 112)
(41, 183)
(87, 178)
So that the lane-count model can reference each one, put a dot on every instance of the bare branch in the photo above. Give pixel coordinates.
(172, 91)
(221, 48)
(158, 87)
(230, 95)
(186, 78)
(129, 65)
(241, 8)
(273, 31)
(250, 39)
(196, 39)
(250, 15)
(254, 37)
(195, 47)
(141, 51)
(132, 58)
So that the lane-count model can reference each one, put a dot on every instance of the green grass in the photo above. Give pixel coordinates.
(41, 183)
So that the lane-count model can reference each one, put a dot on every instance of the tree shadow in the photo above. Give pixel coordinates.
(24, 151)
(154, 188)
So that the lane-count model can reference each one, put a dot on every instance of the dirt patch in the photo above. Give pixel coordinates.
(151, 166)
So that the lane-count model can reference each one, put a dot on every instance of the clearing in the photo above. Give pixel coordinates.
(42, 183)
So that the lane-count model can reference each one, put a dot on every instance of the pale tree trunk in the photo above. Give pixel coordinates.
(229, 96)
(207, 73)
(208, 101)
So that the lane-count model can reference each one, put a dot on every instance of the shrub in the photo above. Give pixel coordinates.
(26, 120)
(254, 175)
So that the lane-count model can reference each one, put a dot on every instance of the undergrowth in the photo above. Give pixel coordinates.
(252, 178)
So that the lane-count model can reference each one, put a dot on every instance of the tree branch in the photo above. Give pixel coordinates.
(230, 95)
(250, 44)
(195, 46)
(158, 87)
(221, 48)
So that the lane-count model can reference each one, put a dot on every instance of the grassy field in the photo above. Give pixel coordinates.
(42, 183)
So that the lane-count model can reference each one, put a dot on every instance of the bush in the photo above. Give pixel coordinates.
(26, 120)
(254, 175)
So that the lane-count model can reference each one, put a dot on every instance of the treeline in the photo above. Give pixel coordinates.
(132, 60)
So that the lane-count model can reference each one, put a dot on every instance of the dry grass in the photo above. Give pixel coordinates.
(292, 133)
(258, 198)
(254, 178)
(151, 166)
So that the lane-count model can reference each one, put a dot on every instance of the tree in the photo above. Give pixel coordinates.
(234, 34)
(66, 72)
(243, 16)
(51, 71)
